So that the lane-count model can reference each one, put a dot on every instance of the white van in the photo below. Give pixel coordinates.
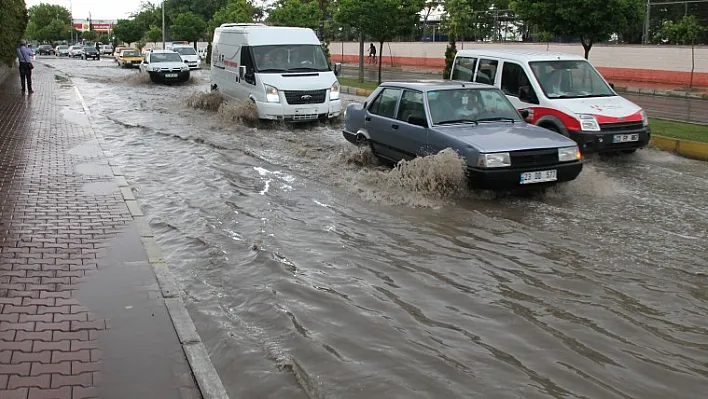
(561, 92)
(283, 70)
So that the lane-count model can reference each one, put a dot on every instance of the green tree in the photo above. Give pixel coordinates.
(685, 32)
(470, 18)
(147, 16)
(301, 13)
(127, 31)
(48, 23)
(13, 24)
(233, 11)
(450, 53)
(153, 35)
(591, 21)
(380, 19)
(205, 9)
(188, 26)
(88, 35)
(103, 38)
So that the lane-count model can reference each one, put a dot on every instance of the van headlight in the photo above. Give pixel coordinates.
(272, 95)
(645, 119)
(494, 160)
(588, 123)
(334, 91)
(568, 154)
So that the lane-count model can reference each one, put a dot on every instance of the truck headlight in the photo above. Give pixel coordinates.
(645, 119)
(588, 123)
(568, 154)
(334, 91)
(272, 95)
(494, 160)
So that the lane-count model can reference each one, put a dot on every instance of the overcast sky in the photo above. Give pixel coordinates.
(99, 9)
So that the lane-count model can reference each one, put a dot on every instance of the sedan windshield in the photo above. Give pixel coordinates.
(470, 106)
(290, 58)
(131, 54)
(570, 79)
(165, 57)
(185, 50)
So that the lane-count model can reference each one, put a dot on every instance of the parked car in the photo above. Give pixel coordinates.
(189, 55)
(76, 51)
(563, 93)
(401, 121)
(45, 49)
(165, 66)
(106, 49)
(129, 58)
(61, 50)
(117, 51)
(90, 52)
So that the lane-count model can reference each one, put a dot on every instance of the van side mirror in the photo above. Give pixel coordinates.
(241, 71)
(337, 68)
(612, 85)
(525, 114)
(525, 94)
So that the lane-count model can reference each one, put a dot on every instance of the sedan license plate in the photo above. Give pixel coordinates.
(539, 177)
(625, 138)
(170, 75)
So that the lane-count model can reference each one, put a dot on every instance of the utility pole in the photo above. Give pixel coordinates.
(163, 24)
(646, 22)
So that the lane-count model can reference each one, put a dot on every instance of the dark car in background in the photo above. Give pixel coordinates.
(404, 120)
(90, 52)
(45, 49)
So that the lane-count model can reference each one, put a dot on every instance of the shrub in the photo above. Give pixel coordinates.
(13, 23)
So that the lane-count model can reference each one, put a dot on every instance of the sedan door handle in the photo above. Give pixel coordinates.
(368, 118)
(394, 127)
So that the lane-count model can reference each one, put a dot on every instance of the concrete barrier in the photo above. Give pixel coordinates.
(634, 63)
(685, 148)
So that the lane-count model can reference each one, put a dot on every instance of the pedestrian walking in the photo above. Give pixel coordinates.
(24, 56)
(372, 54)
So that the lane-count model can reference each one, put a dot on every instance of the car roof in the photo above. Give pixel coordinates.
(428, 85)
(519, 54)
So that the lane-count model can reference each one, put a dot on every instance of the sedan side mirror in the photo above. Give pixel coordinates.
(337, 68)
(418, 121)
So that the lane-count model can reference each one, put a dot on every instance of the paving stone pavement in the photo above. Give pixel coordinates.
(81, 313)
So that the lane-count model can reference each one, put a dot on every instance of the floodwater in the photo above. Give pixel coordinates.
(312, 272)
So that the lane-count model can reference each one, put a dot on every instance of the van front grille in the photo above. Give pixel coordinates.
(296, 97)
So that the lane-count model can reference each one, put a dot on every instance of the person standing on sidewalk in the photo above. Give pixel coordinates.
(24, 56)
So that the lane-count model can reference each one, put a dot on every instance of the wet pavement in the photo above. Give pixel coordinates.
(672, 108)
(81, 312)
(312, 272)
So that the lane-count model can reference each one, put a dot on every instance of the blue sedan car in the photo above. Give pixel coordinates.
(403, 120)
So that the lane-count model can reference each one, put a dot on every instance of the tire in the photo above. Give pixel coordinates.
(551, 127)
(154, 77)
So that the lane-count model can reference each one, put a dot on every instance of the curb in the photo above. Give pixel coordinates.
(686, 148)
(355, 91)
(196, 353)
(661, 93)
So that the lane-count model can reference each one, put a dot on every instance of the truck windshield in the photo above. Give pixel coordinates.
(290, 58)
(570, 79)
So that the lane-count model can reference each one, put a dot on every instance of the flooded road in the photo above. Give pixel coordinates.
(312, 272)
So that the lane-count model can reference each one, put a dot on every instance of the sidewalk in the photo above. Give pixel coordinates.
(81, 312)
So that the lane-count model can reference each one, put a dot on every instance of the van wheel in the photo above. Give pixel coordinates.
(551, 127)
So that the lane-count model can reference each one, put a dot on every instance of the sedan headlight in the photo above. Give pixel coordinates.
(272, 95)
(645, 119)
(185, 69)
(334, 91)
(588, 123)
(568, 154)
(494, 160)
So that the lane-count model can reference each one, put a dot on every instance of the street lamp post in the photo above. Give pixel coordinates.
(163, 24)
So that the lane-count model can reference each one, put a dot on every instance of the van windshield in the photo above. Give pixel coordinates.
(290, 58)
(570, 79)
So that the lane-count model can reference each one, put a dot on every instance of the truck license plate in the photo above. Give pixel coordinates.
(625, 138)
(539, 177)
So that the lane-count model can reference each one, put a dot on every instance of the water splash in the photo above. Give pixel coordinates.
(208, 101)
